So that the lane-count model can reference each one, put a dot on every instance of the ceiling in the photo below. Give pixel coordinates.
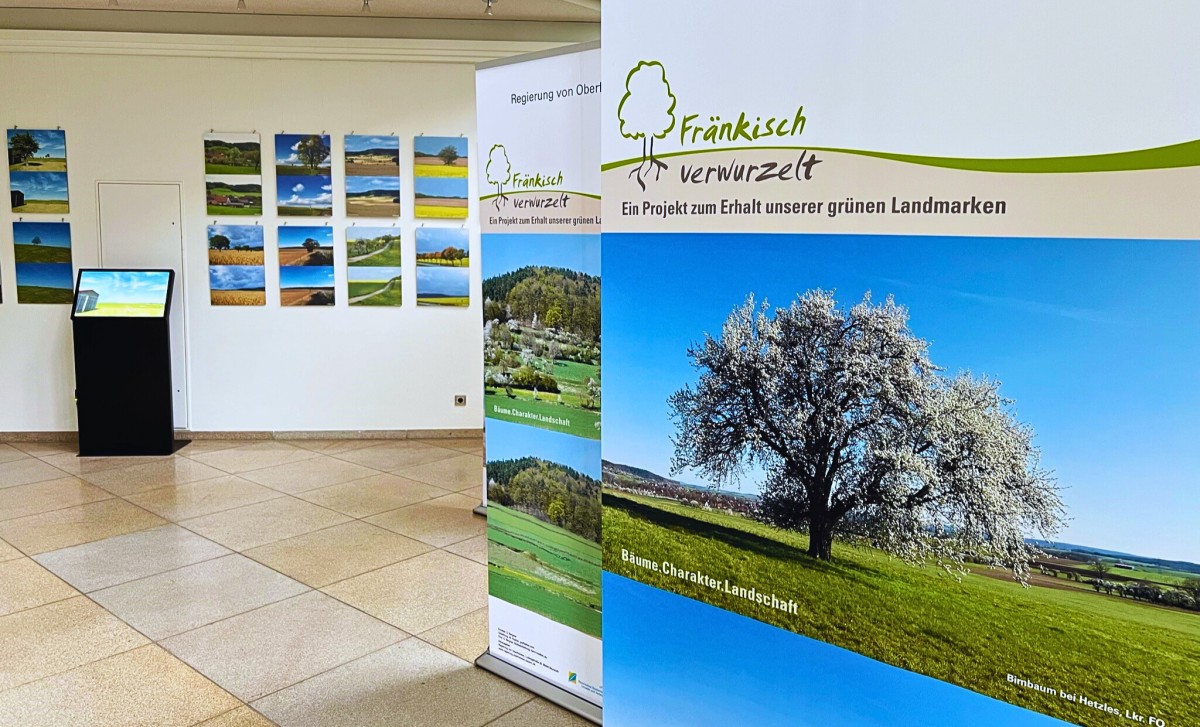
(569, 11)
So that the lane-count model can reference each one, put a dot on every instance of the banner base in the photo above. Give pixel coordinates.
(544, 689)
(480, 510)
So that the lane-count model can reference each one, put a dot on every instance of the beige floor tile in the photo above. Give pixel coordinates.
(274, 647)
(196, 595)
(48, 531)
(466, 636)
(146, 686)
(7, 552)
(240, 717)
(202, 498)
(419, 593)
(372, 495)
(58, 637)
(45, 496)
(25, 584)
(309, 474)
(460, 472)
(441, 521)
(112, 561)
(168, 472)
(337, 553)
(44, 449)
(9, 453)
(474, 548)
(265, 522)
(394, 455)
(27, 470)
(411, 684)
(74, 465)
(541, 713)
(251, 457)
(333, 446)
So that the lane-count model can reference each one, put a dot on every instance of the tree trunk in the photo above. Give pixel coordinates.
(820, 538)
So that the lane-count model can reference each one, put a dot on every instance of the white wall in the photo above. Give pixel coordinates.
(134, 113)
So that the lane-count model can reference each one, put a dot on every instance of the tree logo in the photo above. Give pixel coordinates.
(498, 171)
(647, 112)
(572, 677)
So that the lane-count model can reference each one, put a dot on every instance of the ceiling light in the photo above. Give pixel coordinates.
(488, 9)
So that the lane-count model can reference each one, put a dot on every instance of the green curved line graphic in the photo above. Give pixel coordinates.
(540, 191)
(1186, 154)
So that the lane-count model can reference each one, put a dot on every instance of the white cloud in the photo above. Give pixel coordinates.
(327, 187)
(298, 188)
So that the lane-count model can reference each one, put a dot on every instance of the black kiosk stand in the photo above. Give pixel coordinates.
(123, 390)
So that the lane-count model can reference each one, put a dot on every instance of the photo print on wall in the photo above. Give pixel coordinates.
(37, 171)
(306, 266)
(303, 175)
(233, 174)
(42, 251)
(372, 176)
(440, 168)
(443, 266)
(373, 266)
(236, 272)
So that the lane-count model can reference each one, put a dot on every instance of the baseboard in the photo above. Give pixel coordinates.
(39, 436)
(253, 436)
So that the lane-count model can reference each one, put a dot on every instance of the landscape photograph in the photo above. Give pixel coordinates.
(233, 195)
(973, 459)
(302, 155)
(42, 193)
(440, 170)
(373, 266)
(232, 154)
(37, 150)
(237, 285)
(235, 245)
(372, 156)
(443, 267)
(544, 523)
(42, 251)
(374, 286)
(440, 197)
(305, 196)
(123, 293)
(541, 311)
(301, 246)
(372, 196)
(306, 286)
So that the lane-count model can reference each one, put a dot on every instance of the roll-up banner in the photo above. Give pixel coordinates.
(538, 121)
(902, 402)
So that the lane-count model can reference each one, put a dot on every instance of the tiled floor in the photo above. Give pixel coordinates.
(239, 584)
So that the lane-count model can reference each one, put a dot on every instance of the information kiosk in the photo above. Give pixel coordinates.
(123, 362)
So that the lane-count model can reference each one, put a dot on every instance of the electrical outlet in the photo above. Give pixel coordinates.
(460, 399)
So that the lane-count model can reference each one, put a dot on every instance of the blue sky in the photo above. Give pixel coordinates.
(361, 142)
(236, 277)
(306, 276)
(441, 186)
(285, 149)
(371, 275)
(434, 239)
(314, 191)
(294, 236)
(506, 440)
(669, 660)
(354, 232)
(46, 275)
(503, 253)
(434, 144)
(53, 234)
(126, 286)
(40, 185)
(1095, 340)
(249, 235)
(433, 280)
(366, 184)
(51, 141)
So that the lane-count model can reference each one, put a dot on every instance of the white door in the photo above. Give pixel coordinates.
(141, 226)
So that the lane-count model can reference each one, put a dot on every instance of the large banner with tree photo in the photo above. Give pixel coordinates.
(901, 396)
(539, 200)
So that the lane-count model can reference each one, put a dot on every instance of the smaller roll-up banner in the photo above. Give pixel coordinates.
(538, 127)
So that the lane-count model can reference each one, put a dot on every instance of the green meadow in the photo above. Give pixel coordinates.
(40, 294)
(389, 296)
(544, 568)
(445, 301)
(971, 631)
(41, 254)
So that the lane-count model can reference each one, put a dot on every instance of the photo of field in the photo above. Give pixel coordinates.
(123, 293)
(42, 251)
(37, 150)
(440, 171)
(443, 267)
(233, 194)
(372, 196)
(235, 245)
(310, 196)
(372, 156)
(544, 524)
(237, 285)
(541, 310)
(1004, 531)
(302, 155)
(306, 286)
(375, 247)
(374, 286)
(41, 193)
(232, 154)
(306, 266)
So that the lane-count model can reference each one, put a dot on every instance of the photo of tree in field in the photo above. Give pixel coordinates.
(443, 267)
(232, 154)
(440, 170)
(236, 273)
(39, 193)
(302, 155)
(306, 266)
(544, 523)
(237, 195)
(372, 156)
(42, 251)
(373, 266)
(37, 150)
(541, 315)
(235, 245)
(936, 448)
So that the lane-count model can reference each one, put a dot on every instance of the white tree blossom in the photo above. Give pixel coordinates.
(647, 112)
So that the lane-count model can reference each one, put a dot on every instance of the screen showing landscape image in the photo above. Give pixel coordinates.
(122, 293)
(972, 459)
